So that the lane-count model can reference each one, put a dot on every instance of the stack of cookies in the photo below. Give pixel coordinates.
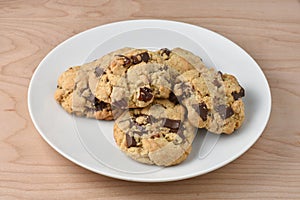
(158, 99)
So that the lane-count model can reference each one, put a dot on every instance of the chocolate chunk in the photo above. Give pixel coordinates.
(145, 57)
(203, 111)
(126, 60)
(237, 95)
(217, 83)
(142, 57)
(100, 105)
(145, 94)
(165, 51)
(173, 125)
(130, 141)
(148, 119)
(173, 98)
(221, 74)
(224, 111)
(120, 104)
(135, 60)
(98, 71)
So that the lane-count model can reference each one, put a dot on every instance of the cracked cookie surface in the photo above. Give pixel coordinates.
(76, 86)
(157, 134)
(136, 58)
(213, 100)
(142, 85)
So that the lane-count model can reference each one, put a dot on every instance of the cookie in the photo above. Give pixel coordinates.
(157, 134)
(194, 60)
(142, 84)
(137, 57)
(65, 87)
(213, 100)
(76, 86)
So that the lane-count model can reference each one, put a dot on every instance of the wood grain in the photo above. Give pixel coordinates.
(269, 30)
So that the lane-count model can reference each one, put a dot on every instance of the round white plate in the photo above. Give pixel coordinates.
(89, 143)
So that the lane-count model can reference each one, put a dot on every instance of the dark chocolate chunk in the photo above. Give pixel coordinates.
(148, 119)
(173, 98)
(100, 105)
(98, 71)
(142, 57)
(145, 57)
(173, 125)
(224, 111)
(221, 74)
(165, 51)
(203, 111)
(130, 141)
(126, 60)
(120, 104)
(145, 94)
(237, 95)
(135, 60)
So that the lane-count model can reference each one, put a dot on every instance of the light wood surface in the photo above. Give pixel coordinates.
(268, 30)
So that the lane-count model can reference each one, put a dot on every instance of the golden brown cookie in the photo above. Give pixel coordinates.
(75, 89)
(213, 100)
(136, 59)
(142, 84)
(157, 134)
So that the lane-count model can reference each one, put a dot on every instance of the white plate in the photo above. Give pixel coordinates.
(89, 143)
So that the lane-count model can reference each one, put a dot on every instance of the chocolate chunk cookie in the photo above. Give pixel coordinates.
(138, 58)
(142, 84)
(76, 86)
(157, 134)
(213, 100)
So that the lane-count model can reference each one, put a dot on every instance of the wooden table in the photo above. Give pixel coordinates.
(268, 30)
